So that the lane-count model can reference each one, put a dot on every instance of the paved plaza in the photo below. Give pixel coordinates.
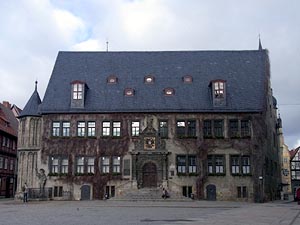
(148, 213)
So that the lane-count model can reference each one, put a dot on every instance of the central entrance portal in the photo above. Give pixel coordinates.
(149, 175)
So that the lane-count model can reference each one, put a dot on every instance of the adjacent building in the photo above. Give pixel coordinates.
(8, 150)
(295, 169)
(201, 123)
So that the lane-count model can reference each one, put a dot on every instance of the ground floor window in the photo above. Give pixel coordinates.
(57, 191)
(242, 192)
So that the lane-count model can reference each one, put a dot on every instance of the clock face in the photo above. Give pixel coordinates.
(149, 143)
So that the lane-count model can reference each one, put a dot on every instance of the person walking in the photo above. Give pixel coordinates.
(25, 192)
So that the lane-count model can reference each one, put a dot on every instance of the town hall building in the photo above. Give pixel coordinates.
(201, 124)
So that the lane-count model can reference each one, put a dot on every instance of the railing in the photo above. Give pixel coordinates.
(37, 194)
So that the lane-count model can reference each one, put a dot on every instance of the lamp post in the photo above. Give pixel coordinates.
(261, 179)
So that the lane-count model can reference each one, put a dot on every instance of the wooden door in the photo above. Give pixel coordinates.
(149, 175)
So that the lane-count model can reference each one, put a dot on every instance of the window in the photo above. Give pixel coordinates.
(187, 79)
(246, 165)
(116, 129)
(245, 128)
(135, 128)
(112, 79)
(216, 164)
(11, 164)
(181, 164)
(80, 129)
(163, 129)
(169, 91)
(207, 131)
(126, 167)
(149, 79)
(5, 163)
(111, 128)
(55, 129)
(242, 192)
(58, 191)
(219, 89)
(77, 91)
(64, 165)
(186, 164)
(218, 128)
(116, 164)
(105, 164)
(1, 162)
(105, 128)
(80, 165)
(91, 165)
(54, 165)
(186, 128)
(66, 129)
(235, 165)
(233, 128)
(91, 129)
(129, 92)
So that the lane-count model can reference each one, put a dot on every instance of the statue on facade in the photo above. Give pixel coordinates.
(42, 180)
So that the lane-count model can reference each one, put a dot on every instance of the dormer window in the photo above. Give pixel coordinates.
(149, 79)
(112, 79)
(129, 92)
(187, 79)
(218, 89)
(77, 91)
(169, 91)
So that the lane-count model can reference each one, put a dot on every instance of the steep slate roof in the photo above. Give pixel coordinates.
(8, 122)
(32, 106)
(244, 72)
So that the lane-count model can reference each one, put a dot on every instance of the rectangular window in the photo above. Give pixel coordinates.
(163, 129)
(77, 91)
(11, 164)
(235, 164)
(1, 162)
(91, 165)
(219, 89)
(233, 128)
(80, 165)
(242, 192)
(192, 164)
(55, 129)
(3, 141)
(105, 164)
(218, 128)
(181, 164)
(64, 165)
(216, 164)
(54, 164)
(180, 129)
(105, 128)
(57, 191)
(91, 129)
(80, 129)
(116, 164)
(135, 128)
(246, 165)
(191, 128)
(245, 128)
(207, 131)
(66, 129)
(126, 167)
(116, 129)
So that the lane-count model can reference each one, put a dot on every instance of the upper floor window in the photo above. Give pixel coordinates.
(169, 91)
(1, 162)
(80, 129)
(240, 165)
(129, 92)
(186, 128)
(219, 89)
(80, 165)
(112, 79)
(213, 128)
(55, 129)
(116, 164)
(77, 91)
(11, 164)
(216, 164)
(163, 129)
(149, 79)
(59, 164)
(111, 128)
(105, 162)
(239, 128)
(187, 79)
(91, 165)
(245, 128)
(186, 164)
(135, 128)
(91, 132)
(66, 129)
(233, 128)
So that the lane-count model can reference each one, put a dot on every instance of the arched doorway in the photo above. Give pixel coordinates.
(149, 175)
(211, 192)
(85, 192)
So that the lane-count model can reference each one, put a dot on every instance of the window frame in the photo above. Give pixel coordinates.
(116, 164)
(81, 128)
(66, 130)
(135, 130)
(77, 91)
(105, 164)
(163, 129)
(216, 165)
(56, 128)
(91, 128)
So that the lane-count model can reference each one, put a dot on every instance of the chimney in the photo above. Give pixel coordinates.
(6, 104)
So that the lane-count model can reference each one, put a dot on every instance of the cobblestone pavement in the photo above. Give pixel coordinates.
(148, 213)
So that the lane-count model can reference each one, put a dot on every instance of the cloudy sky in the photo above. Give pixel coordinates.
(33, 31)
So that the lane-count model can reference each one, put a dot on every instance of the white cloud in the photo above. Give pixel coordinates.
(89, 45)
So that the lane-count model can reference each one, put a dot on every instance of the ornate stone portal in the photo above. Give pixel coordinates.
(150, 159)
